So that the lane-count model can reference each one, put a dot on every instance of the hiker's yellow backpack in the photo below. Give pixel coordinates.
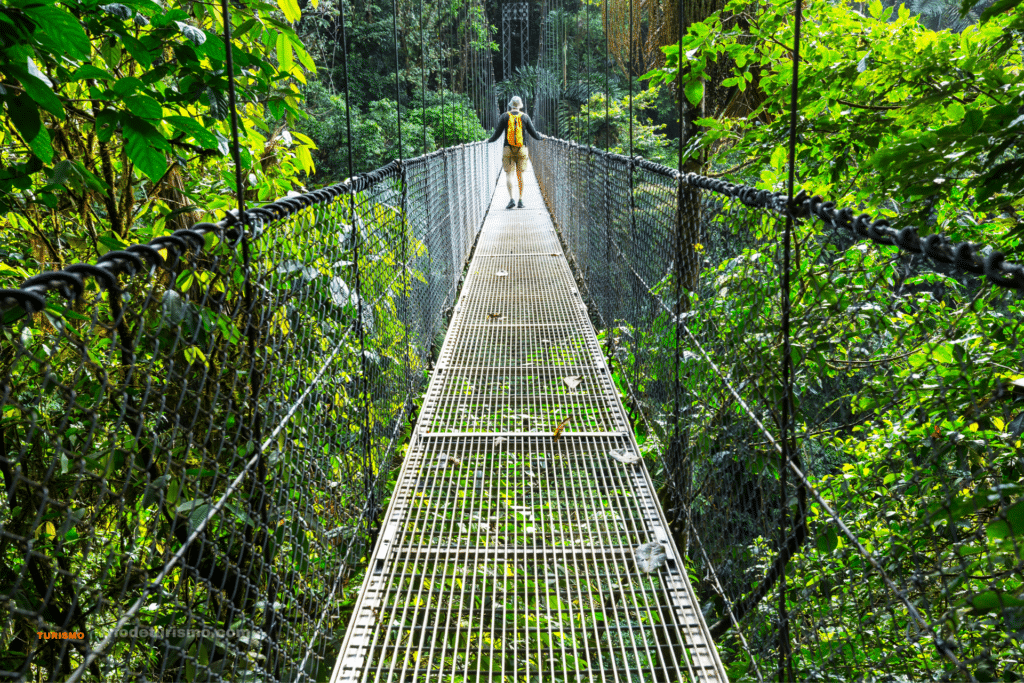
(515, 130)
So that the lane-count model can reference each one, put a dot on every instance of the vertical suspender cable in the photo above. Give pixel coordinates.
(232, 105)
(361, 387)
(629, 77)
(403, 182)
(423, 81)
(785, 667)
(255, 376)
(440, 77)
(398, 85)
(607, 83)
(586, 8)
(676, 451)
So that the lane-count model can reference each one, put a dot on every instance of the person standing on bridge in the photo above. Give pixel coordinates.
(514, 154)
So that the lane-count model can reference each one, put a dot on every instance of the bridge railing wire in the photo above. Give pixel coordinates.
(192, 477)
(903, 556)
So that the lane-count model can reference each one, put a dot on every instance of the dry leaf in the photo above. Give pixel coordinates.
(501, 273)
(500, 440)
(650, 556)
(625, 457)
(494, 316)
(573, 381)
(558, 430)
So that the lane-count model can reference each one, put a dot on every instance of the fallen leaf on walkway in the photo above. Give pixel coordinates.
(501, 273)
(500, 440)
(494, 316)
(625, 457)
(573, 381)
(650, 557)
(558, 430)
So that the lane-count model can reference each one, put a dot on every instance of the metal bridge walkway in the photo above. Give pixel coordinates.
(508, 554)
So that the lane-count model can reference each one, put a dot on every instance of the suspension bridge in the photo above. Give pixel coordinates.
(655, 426)
(525, 537)
(510, 544)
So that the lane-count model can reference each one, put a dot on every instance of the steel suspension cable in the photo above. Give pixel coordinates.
(423, 81)
(629, 77)
(785, 658)
(398, 87)
(607, 86)
(361, 388)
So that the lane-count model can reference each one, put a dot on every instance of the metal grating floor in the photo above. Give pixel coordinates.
(507, 555)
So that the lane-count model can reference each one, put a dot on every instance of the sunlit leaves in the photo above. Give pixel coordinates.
(290, 8)
(167, 59)
(64, 32)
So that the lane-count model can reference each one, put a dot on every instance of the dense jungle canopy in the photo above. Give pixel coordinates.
(115, 129)
(115, 118)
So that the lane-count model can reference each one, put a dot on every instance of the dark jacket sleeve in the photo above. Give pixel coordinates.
(500, 130)
(528, 127)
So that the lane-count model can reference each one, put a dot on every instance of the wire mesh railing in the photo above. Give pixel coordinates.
(893, 551)
(197, 433)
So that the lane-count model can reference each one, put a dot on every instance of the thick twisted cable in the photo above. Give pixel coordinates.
(31, 294)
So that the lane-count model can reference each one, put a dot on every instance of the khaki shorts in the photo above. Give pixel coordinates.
(514, 158)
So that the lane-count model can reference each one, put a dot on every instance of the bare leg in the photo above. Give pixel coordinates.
(519, 174)
(508, 182)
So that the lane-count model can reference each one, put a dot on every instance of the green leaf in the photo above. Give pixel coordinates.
(39, 91)
(25, 115)
(197, 516)
(144, 145)
(191, 32)
(144, 107)
(1013, 525)
(972, 121)
(304, 58)
(827, 539)
(290, 8)
(943, 354)
(153, 489)
(875, 8)
(118, 10)
(128, 85)
(214, 47)
(41, 145)
(695, 92)
(998, 7)
(139, 52)
(995, 600)
(61, 30)
(90, 71)
(203, 137)
(284, 52)
(89, 178)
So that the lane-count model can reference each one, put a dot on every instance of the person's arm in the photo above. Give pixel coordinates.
(500, 129)
(528, 127)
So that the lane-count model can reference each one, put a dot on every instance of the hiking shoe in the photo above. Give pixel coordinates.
(520, 203)
(512, 204)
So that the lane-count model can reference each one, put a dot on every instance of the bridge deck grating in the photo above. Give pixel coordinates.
(507, 554)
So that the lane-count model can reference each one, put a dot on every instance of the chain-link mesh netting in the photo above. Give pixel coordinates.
(899, 519)
(197, 435)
